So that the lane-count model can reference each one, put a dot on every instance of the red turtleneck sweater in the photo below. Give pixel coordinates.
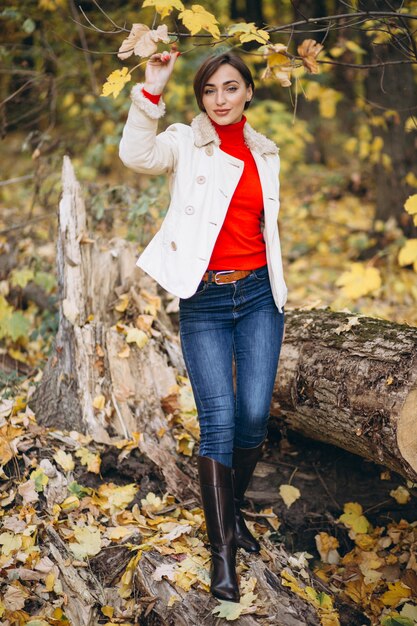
(240, 244)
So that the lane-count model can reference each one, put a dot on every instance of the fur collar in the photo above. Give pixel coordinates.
(204, 133)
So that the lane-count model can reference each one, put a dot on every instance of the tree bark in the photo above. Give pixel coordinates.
(351, 381)
(392, 89)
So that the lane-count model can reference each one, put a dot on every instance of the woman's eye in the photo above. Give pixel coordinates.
(232, 89)
(208, 91)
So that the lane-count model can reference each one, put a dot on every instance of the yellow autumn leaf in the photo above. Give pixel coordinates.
(327, 548)
(327, 102)
(408, 253)
(99, 402)
(353, 518)
(396, 592)
(113, 498)
(88, 542)
(91, 460)
(289, 494)
(164, 7)
(115, 82)
(411, 204)
(107, 610)
(197, 18)
(123, 303)
(410, 124)
(278, 65)
(134, 335)
(185, 444)
(249, 32)
(152, 503)
(359, 281)
(10, 542)
(126, 581)
(70, 504)
(118, 532)
(64, 460)
(401, 494)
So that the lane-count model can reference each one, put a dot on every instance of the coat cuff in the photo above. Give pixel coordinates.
(154, 111)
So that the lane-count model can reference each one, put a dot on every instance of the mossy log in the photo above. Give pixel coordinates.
(351, 381)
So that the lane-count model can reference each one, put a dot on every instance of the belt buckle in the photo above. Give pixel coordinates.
(224, 272)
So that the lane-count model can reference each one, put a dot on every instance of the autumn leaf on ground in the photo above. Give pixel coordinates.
(408, 254)
(233, 610)
(164, 7)
(353, 518)
(401, 495)
(359, 281)
(20, 278)
(248, 32)
(88, 542)
(28, 491)
(411, 206)
(64, 460)
(308, 51)
(99, 402)
(142, 41)
(327, 548)
(40, 478)
(278, 65)
(113, 499)
(115, 82)
(134, 335)
(289, 494)
(197, 18)
(91, 460)
(396, 592)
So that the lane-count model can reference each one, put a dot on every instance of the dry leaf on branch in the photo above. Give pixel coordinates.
(142, 41)
(308, 51)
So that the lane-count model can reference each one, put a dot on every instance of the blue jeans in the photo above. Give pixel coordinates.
(218, 324)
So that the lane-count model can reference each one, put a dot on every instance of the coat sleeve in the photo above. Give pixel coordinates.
(141, 148)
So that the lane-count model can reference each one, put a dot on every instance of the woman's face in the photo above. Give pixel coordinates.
(225, 94)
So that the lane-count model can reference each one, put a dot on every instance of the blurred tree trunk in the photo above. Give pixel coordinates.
(390, 91)
(250, 10)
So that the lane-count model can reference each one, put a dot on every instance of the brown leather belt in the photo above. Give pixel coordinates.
(223, 277)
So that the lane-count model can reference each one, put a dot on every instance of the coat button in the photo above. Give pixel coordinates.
(189, 210)
(201, 179)
(209, 150)
(173, 245)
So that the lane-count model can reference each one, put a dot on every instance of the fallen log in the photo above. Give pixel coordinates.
(351, 381)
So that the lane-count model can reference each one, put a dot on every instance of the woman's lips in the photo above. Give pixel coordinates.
(222, 112)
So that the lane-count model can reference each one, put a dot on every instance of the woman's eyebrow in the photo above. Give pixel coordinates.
(226, 82)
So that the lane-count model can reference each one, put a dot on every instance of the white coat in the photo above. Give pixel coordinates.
(202, 182)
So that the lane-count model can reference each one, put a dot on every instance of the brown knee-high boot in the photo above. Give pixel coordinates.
(216, 484)
(244, 463)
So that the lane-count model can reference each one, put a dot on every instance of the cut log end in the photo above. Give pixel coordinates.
(406, 431)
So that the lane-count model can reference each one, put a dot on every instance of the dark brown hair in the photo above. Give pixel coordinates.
(211, 65)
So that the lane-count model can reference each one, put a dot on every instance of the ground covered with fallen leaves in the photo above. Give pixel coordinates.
(346, 521)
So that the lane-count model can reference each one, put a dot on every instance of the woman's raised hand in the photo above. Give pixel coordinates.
(158, 70)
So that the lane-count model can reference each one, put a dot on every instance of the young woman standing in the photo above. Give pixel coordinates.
(218, 250)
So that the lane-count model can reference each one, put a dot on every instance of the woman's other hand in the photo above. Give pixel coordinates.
(158, 71)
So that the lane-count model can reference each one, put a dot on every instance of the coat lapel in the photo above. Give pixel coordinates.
(204, 133)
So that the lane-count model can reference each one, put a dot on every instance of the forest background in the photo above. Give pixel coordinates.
(347, 136)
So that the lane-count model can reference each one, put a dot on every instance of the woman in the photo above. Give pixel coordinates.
(218, 250)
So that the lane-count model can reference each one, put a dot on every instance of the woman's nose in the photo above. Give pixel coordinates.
(219, 98)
